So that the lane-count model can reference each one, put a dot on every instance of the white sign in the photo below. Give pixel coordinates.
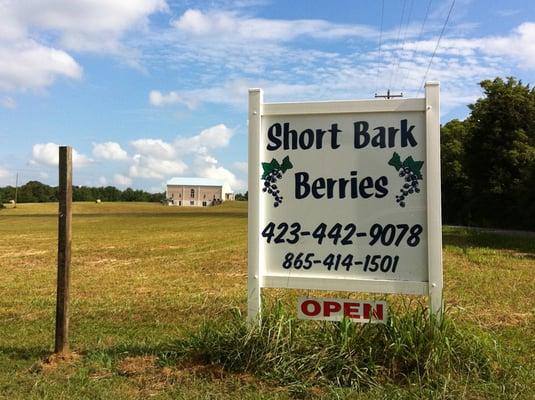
(345, 196)
(337, 309)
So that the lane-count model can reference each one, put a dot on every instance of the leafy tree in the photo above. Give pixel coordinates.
(501, 155)
(34, 192)
(242, 197)
(456, 189)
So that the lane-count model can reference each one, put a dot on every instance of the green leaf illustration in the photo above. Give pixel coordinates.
(267, 167)
(274, 165)
(286, 164)
(395, 161)
(414, 166)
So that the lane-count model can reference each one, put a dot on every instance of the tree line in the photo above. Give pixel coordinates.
(488, 159)
(488, 164)
(37, 192)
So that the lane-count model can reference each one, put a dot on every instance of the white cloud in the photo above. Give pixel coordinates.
(210, 138)
(109, 151)
(157, 159)
(225, 25)
(233, 92)
(207, 167)
(35, 36)
(241, 166)
(122, 180)
(156, 148)
(48, 154)
(8, 102)
(459, 68)
(29, 65)
(520, 45)
(155, 168)
(232, 51)
(157, 98)
(95, 25)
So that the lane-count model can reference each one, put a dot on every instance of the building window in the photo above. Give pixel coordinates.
(192, 203)
(204, 203)
(192, 193)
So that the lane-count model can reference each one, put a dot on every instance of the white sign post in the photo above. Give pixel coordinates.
(345, 196)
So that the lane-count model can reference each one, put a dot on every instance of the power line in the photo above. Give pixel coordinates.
(403, 41)
(417, 44)
(398, 37)
(380, 44)
(15, 170)
(438, 44)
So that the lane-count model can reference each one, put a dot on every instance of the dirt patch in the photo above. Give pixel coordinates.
(211, 371)
(141, 365)
(56, 361)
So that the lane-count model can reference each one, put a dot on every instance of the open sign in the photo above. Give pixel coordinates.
(337, 309)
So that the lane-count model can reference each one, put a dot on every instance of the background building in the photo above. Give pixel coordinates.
(200, 192)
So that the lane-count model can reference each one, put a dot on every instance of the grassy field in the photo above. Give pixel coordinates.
(145, 276)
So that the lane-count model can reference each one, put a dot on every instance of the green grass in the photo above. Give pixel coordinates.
(413, 350)
(152, 285)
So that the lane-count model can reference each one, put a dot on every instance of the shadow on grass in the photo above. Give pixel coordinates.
(467, 238)
(25, 353)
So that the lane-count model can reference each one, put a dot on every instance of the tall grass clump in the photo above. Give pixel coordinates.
(412, 348)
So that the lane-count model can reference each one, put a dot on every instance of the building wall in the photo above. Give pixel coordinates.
(181, 195)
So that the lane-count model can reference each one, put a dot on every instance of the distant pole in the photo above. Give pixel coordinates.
(16, 188)
(64, 249)
(388, 96)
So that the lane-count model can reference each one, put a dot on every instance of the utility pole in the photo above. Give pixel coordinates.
(16, 188)
(388, 95)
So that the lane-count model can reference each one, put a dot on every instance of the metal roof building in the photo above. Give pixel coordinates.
(199, 192)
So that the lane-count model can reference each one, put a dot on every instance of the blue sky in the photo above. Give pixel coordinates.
(148, 89)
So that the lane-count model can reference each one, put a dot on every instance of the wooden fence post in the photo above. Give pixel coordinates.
(64, 249)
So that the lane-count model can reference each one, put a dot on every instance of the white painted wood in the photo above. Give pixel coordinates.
(434, 216)
(254, 280)
(345, 284)
(344, 107)
(257, 275)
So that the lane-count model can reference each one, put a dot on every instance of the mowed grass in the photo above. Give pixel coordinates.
(145, 276)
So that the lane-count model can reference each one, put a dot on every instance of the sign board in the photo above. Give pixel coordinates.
(337, 309)
(345, 196)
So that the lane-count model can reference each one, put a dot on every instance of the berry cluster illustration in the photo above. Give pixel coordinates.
(410, 170)
(273, 171)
